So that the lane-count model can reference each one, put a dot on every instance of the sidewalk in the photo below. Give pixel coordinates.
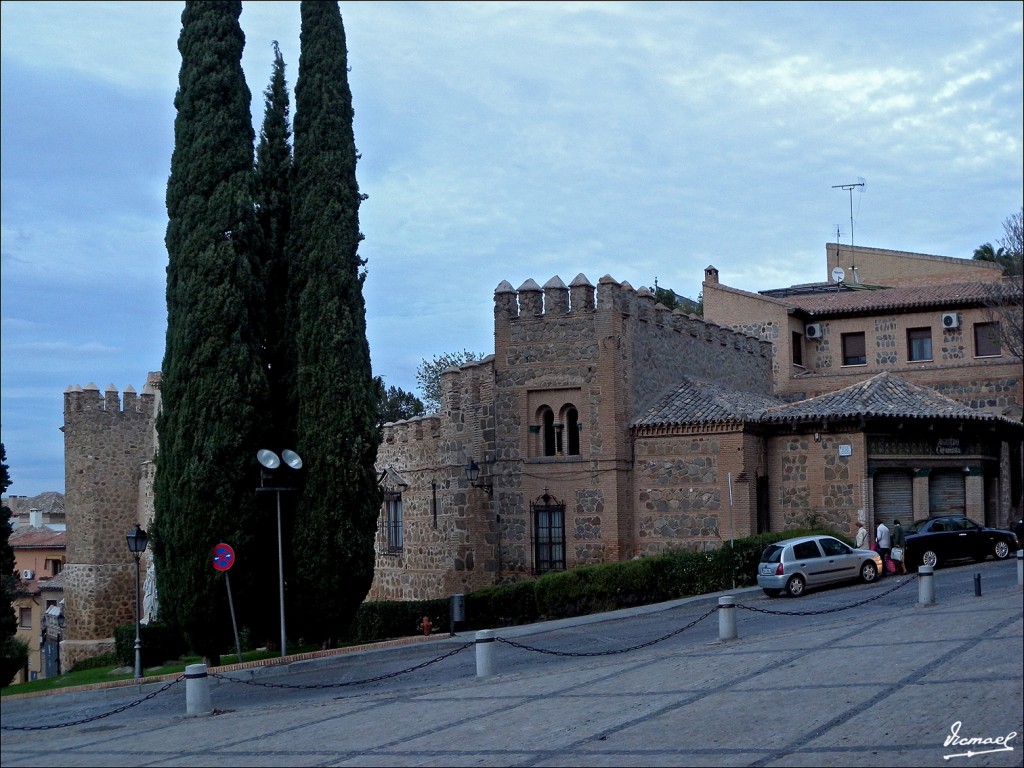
(890, 693)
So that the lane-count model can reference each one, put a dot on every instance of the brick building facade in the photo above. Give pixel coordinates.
(606, 427)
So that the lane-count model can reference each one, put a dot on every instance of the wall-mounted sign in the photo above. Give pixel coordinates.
(948, 446)
(846, 450)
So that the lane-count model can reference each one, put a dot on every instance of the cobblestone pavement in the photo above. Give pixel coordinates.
(941, 684)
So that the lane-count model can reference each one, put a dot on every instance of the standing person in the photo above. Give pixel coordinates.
(899, 540)
(861, 542)
(884, 542)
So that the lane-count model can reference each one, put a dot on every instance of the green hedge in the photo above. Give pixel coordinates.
(581, 591)
(160, 643)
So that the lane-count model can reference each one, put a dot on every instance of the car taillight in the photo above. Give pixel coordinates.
(779, 571)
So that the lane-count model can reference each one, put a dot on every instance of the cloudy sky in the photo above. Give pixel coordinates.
(502, 141)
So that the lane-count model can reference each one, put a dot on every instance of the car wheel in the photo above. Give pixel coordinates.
(868, 572)
(771, 592)
(795, 586)
(1002, 550)
(929, 558)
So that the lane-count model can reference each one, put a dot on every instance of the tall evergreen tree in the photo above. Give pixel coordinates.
(8, 576)
(336, 397)
(273, 207)
(213, 385)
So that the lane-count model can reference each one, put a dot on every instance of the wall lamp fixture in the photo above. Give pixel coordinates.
(473, 472)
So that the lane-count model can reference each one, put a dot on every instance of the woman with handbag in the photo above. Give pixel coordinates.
(899, 547)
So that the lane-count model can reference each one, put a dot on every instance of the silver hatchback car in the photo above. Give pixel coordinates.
(811, 561)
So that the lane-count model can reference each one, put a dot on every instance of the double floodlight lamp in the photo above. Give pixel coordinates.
(270, 460)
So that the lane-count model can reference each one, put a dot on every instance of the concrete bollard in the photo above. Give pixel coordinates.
(1020, 567)
(485, 653)
(926, 585)
(727, 618)
(197, 691)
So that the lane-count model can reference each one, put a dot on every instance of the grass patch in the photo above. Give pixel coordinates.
(106, 674)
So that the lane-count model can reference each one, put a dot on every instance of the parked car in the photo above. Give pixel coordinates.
(811, 561)
(955, 537)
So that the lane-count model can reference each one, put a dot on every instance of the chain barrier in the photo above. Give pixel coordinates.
(576, 654)
(378, 678)
(900, 585)
(679, 631)
(94, 717)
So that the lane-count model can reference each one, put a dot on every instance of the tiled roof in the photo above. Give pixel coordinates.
(25, 537)
(884, 394)
(696, 401)
(54, 583)
(884, 299)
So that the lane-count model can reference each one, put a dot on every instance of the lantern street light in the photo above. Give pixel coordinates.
(473, 472)
(138, 540)
(270, 461)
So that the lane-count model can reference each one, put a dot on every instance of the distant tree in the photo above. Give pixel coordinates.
(1005, 306)
(214, 389)
(336, 396)
(395, 404)
(273, 211)
(8, 576)
(1013, 239)
(1009, 260)
(13, 652)
(428, 374)
(672, 300)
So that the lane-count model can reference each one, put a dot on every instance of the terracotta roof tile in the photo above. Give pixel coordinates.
(884, 394)
(696, 401)
(885, 299)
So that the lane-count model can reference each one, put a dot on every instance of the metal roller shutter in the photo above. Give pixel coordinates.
(894, 496)
(946, 493)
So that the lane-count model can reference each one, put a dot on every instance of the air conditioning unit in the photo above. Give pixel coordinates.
(813, 330)
(950, 320)
(28, 575)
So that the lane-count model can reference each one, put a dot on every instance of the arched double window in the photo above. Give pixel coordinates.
(559, 437)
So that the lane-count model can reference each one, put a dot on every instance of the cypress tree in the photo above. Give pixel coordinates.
(273, 207)
(336, 398)
(8, 576)
(213, 387)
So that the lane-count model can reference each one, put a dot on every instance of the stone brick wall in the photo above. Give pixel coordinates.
(107, 440)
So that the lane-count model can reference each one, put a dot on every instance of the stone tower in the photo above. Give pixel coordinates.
(109, 445)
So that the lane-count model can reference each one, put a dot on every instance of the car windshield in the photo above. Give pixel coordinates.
(916, 527)
(772, 554)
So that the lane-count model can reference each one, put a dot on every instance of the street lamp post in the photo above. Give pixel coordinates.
(137, 543)
(270, 461)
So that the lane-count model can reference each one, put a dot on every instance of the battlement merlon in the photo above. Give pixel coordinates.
(554, 300)
(79, 399)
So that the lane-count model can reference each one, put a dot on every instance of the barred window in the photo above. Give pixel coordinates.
(393, 521)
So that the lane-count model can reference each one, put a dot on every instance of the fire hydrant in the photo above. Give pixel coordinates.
(426, 625)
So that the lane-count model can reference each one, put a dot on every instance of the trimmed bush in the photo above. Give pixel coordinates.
(160, 643)
(588, 589)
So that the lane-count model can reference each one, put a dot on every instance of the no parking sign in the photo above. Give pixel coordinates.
(223, 557)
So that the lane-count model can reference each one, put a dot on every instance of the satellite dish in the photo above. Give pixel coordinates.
(268, 458)
(292, 459)
(838, 274)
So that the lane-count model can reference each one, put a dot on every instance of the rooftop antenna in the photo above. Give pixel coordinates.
(850, 187)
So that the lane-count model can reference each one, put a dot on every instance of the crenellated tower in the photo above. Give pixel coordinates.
(109, 446)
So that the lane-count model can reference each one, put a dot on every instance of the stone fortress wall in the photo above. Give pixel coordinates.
(109, 445)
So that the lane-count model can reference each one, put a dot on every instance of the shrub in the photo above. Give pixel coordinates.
(160, 643)
(13, 659)
(109, 659)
